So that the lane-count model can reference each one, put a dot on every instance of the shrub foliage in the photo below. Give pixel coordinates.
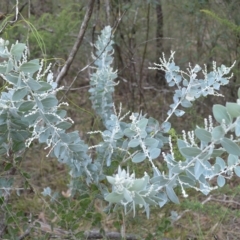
(30, 111)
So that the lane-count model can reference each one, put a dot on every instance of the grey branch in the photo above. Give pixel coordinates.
(77, 44)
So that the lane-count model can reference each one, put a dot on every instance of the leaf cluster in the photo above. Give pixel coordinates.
(31, 111)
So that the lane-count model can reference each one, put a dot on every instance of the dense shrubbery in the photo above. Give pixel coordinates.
(31, 111)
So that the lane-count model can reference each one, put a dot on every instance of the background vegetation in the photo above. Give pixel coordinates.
(200, 31)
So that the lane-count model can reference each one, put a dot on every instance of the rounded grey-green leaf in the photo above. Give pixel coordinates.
(51, 117)
(185, 103)
(44, 135)
(160, 181)
(26, 106)
(190, 151)
(139, 157)
(20, 94)
(134, 143)
(232, 160)
(233, 109)
(151, 201)
(218, 133)
(64, 125)
(221, 163)
(127, 195)
(32, 118)
(230, 146)
(57, 150)
(17, 50)
(45, 86)
(181, 143)
(217, 168)
(114, 197)
(220, 113)
(217, 153)
(187, 181)
(179, 112)
(14, 79)
(165, 127)
(118, 135)
(176, 169)
(172, 195)
(198, 169)
(139, 184)
(221, 181)
(151, 142)
(33, 84)
(49, 102)
(154, 152)
(143, 134)
(62, 113)
(30, 67)
(75, 147)
(237, 127)
(129, 132)
(142, 123)
(138, 199)
(9, 66)
(203, 135)
(237, 171)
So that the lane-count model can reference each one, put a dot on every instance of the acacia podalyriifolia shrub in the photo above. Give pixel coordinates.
(30, 110)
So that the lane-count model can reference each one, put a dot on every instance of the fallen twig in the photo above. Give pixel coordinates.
(58, 232)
